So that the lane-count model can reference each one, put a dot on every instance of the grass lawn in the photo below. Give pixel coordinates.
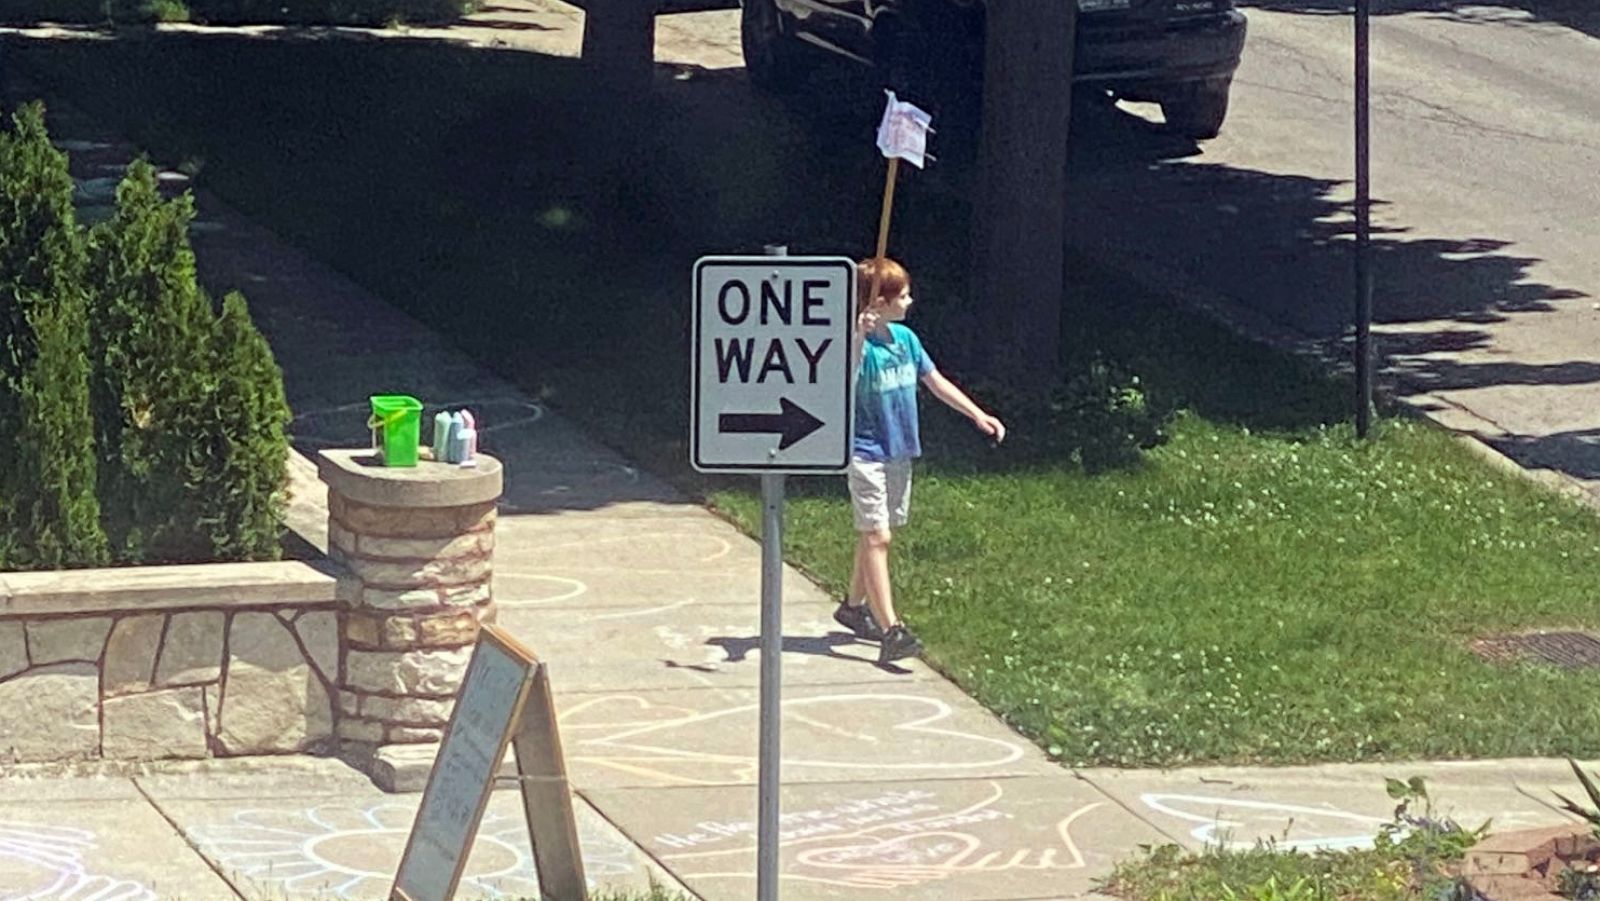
(1418, 856)
(1389, 873)
(1261, 588)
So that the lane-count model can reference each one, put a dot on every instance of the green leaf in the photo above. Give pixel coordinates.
(1588, 784)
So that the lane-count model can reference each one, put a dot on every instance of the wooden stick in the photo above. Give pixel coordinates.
(883, 226)
(888, 206)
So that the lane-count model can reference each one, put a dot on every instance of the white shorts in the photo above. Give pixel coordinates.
(880, 493)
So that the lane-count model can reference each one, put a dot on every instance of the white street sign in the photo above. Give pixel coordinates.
(771, 364)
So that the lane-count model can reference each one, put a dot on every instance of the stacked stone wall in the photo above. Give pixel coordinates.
(168, 683)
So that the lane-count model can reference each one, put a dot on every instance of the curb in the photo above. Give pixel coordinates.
(1250, 324)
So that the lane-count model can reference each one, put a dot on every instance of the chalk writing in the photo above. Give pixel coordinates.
(919, 841)
(463, 772)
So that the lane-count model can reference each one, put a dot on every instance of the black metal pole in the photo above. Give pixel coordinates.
(1363, 220)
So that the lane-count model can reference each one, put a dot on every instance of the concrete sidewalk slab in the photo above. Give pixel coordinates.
(695, 646)
(686, 541)
(830, 734)
(975, 839)
(583, 484)
(1332, 806)
(106, 848)
(573, 586)
(46, 789)
(320, 829)
(247, 778)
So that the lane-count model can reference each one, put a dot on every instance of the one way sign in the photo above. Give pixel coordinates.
(771, 364)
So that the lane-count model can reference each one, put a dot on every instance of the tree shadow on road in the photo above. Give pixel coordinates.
(1279, 249)
(548, 226)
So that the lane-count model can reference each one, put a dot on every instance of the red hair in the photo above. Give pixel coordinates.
(892, 279)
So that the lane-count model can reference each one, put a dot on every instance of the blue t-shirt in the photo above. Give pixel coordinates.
(886, 395)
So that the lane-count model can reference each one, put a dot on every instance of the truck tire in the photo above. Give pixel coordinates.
(772, 58)
(1197, 109)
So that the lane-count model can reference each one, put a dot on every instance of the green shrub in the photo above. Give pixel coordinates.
(166, 10)
(151, 347)
(246, 446)
(189, 408)
(49, 516)
(1100, 417)
(1110, 414)
(163, 424)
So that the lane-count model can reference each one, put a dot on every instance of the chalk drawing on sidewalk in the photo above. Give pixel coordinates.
(504, 421)
(40, 862)
(513, 589)
(345, 424)
(688, 547)
(531, 587)
(351, 852)
(886, 839)
(1221, 819)
(834, 733)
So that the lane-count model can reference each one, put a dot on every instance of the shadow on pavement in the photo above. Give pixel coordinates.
(738, 649)
(1576, 453)
(547, 227)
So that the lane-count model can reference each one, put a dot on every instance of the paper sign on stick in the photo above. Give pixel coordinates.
(903, 133)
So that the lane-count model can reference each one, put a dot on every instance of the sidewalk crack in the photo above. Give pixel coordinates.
(1177, 840)
(237, 893)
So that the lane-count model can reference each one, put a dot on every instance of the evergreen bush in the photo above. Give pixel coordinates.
(49, 516)
(246, 448)
(151, 348)
(128, 405)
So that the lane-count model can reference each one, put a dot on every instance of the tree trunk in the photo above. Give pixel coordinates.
(619, 41)
(1019, 227)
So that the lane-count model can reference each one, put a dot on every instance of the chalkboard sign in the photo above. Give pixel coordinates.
(485, 718)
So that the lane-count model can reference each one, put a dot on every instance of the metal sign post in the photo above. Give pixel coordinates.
(1363, 219)
(771, 686)
(771, 381)
(770, 762)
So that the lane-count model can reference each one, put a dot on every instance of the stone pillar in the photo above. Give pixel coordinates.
(419, 545)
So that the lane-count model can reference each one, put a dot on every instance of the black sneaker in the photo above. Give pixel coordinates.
(858, 620)
(898, 643)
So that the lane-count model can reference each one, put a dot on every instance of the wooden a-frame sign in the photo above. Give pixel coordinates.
(504, 700)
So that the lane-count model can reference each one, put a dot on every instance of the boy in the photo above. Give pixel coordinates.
(890, 363)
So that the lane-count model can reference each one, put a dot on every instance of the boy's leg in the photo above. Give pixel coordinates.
(869, 508)
(872, 550)
(858, 585)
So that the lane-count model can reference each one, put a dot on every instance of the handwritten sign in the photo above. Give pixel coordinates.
(903, 133)
(485, 717)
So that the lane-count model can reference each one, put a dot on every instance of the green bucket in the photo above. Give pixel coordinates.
(396, 424)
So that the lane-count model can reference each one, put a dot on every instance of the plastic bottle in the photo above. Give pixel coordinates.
(441, 435)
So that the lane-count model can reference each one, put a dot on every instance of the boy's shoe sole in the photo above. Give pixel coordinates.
(859, 621)
(898, 644)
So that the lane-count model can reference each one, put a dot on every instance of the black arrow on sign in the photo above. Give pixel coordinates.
(793, 422)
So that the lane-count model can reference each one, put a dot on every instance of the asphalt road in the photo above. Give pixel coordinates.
(1486, 162)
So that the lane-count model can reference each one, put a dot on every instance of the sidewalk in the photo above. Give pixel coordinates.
(644, 605)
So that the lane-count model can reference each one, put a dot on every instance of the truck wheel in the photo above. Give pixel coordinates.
(1197, 109)
(771, 58)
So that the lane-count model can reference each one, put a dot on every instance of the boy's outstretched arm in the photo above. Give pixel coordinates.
(946, 390)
